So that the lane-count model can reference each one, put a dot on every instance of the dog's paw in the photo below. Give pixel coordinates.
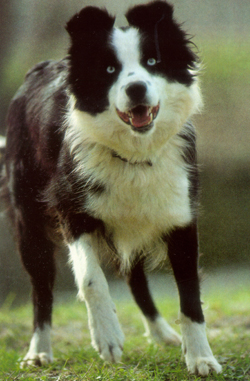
(203, 365)
(109, 348)
(161, 331)
(196, 349)
(107, 336)
(40, 352)
(109, 345)
(36, 359)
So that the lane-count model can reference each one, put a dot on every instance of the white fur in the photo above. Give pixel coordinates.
(106, 334)
(126, 45)
(136, 211)
(161, 331)
(40, 351)
(198, 355)
(140, 202)
(177, 103)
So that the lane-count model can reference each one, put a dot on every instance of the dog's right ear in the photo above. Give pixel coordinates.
(89, 20)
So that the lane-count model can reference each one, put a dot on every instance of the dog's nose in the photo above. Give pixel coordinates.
(136, 91)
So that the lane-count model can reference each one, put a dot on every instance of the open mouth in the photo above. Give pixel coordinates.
(140, 117)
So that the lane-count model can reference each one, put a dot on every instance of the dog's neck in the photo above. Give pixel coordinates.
(147, 162)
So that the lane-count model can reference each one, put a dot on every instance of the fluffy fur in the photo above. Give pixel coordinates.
(101, 154)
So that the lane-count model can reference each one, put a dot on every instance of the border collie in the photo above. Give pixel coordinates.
(101, 156)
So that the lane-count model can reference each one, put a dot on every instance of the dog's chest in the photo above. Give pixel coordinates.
(141, 202)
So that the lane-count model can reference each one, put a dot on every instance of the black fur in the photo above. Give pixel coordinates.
(139, 287)
(164, 39)
(66, 196)
(183, 255)
(44, 189)
(48, 196)
(89, 58)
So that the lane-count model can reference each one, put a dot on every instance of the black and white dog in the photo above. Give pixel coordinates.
(101, 156)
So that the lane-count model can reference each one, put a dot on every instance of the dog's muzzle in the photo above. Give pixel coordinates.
(140, 117)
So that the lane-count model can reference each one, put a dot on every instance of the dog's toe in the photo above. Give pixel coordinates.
(111, 353)
(203, 366)
(36, 360)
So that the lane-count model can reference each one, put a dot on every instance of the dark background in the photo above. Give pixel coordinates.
(31, 31)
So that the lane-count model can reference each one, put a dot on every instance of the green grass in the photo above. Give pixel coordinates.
(229, 334)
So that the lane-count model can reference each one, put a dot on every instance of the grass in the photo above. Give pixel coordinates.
(229, 334)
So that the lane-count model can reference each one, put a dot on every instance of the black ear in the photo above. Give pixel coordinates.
(148, 15)
(89, 20)
(170, 45)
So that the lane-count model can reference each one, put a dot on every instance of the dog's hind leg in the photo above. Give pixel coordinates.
(106, 334)
(37, 253)
(155, 325)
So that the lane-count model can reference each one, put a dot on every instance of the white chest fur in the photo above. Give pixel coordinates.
(140, 202)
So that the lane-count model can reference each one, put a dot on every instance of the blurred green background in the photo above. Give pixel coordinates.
(32, 31)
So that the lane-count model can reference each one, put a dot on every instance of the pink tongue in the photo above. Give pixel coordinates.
(140, 116)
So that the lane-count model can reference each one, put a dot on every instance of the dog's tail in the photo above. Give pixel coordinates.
(2, 149)
(2, 153)
(4, 196)
(2, 156)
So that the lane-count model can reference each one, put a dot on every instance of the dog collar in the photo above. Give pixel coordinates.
(147, 162)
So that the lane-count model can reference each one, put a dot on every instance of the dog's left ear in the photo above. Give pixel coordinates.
(90, 20)
(146, 16)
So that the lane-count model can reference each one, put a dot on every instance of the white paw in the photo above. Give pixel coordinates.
(36, 359)
(198, 354)
(107, 336)
(203, 365)
(40, 352)
(161, 331)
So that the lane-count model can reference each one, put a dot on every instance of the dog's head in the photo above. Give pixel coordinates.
(137, 82)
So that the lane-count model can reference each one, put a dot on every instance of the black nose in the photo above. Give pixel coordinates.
(136, 91)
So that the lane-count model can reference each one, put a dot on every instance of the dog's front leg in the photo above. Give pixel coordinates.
(107, 336)
(183, 254)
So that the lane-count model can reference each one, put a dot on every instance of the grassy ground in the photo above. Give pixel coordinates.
(228, 319)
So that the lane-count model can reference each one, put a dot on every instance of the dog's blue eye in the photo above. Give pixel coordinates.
(151, 62)
(110, 69)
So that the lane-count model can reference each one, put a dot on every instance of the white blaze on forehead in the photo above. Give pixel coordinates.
(127, 46)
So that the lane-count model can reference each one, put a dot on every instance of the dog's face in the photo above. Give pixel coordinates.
(134, 85)
(136, 93)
